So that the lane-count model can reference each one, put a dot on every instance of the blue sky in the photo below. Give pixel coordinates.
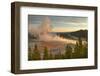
(60, 23)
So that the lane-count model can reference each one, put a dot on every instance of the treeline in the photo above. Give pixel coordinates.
(77, 34)
(78, 51)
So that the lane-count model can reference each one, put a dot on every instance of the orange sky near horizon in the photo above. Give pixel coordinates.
(62, 29)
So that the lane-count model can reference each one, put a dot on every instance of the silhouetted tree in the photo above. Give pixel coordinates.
(68, 53)
(80, 49)
(36, 54)
(30, 54)
(85, 51)
(76, 50)
(46, 56)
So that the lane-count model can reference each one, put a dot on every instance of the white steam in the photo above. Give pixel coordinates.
(43, 31)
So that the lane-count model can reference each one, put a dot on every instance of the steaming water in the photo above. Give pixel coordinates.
(43, 33)
(50, 37)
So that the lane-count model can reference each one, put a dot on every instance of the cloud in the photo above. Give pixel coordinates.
(62, 22)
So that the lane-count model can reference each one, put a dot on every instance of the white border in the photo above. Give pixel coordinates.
(25, 64)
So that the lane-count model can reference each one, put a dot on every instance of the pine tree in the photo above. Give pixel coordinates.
(79, 49)
(29, 54)
(36, 54)
(76, 50)
(68, 53)
(85, 51)
(46, 56)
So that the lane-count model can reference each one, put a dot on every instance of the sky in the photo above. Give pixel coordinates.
(60, 23)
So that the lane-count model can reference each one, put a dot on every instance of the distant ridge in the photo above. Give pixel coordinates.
(74, 35)
(69, 35)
